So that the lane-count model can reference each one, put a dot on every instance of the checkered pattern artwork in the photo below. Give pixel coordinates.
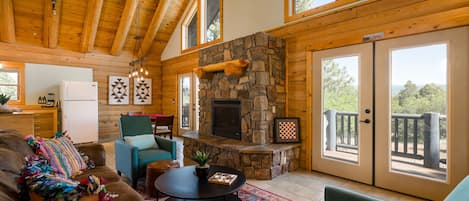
(287, 130)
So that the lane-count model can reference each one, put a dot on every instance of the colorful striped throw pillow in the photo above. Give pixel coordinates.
(63, 157)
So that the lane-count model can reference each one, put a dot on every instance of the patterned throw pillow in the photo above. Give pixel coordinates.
(63, 156)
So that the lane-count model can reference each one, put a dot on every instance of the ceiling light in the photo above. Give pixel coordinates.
(137, 68)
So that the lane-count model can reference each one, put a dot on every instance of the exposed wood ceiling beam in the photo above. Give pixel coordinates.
(155, 24)
(124, 26)
(50, 35)
(7, 22)
(90, 27)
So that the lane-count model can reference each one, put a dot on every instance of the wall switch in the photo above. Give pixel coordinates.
(273, 109)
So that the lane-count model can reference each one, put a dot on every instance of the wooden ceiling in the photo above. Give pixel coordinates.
(104, 26)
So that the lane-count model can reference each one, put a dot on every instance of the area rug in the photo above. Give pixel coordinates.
(248, 192)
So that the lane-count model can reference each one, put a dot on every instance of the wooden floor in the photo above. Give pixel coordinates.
(299, 185)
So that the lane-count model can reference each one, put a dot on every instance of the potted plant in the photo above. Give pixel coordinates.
(3, 101)
(201, 169)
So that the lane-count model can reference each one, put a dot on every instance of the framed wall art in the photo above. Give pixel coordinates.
(119, 90)
(142, 91)
(287, 130)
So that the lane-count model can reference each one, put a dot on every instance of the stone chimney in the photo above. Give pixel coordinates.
(261, 89)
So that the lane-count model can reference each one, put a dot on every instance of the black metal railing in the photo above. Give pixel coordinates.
(414, 129)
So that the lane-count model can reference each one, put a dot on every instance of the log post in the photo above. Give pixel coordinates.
(331, 135)
(233, 67)
(431, 133)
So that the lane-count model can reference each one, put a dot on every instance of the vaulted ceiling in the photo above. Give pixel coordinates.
(104, 26)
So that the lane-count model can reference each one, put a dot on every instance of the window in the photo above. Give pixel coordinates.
(304, 5)
(202, 24)
(210, 20)
(296, 9)
(12, 81)
(189, 29)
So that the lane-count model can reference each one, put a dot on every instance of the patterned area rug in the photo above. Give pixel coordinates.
(247, 193)
(253, 193)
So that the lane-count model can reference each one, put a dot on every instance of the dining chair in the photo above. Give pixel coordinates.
(164, 126)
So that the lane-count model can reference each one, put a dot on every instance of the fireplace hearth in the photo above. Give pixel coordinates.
(226, 118)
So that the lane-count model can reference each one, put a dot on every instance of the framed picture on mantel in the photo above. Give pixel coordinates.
(287, 130)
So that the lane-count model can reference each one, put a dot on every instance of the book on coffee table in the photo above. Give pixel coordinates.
(222, 178)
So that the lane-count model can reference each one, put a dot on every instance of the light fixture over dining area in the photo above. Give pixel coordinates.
(137, 68)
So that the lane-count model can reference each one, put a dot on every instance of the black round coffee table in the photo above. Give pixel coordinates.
(182, 183)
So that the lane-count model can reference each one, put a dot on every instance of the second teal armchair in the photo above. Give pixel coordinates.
(129, 159)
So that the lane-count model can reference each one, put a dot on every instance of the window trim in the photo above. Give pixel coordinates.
(16, 67)
(195, 6)
(290, 15)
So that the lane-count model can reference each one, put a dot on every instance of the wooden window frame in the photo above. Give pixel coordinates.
(290, 15)
(16, 67)
(195, 6)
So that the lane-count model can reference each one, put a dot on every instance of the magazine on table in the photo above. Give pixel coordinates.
(222, 178)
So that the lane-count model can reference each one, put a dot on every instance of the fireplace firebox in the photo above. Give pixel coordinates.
(226, 118)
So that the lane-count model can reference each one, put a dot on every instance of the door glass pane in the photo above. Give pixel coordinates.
(419, 111)
(197, 107)
(340, 108)
(185, 96)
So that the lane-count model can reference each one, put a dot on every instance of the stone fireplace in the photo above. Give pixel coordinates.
(261, 90)
(237, 112)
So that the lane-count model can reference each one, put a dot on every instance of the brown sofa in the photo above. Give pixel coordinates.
(13, 150)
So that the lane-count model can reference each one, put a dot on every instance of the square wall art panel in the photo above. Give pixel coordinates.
(118, 90)
(142, 91)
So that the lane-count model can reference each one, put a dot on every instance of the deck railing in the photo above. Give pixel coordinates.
(418, 129)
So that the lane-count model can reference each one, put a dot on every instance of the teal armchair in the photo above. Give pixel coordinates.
(129, 159)
(333, 193)
(460, 192)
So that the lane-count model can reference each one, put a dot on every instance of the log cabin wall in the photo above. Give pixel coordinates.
(103, 65)
(340, 28)
(94, 33)
(171, 69)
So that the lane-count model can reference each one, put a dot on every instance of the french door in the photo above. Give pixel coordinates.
(188, 106)
(342, 129)
(401, 123)
(433, 68)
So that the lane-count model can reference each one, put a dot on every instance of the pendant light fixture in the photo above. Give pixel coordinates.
(137, 68)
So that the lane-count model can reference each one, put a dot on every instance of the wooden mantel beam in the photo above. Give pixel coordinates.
(155, 24)
(50, 35)
(7, 21)
(233, 67)
(124, 26)
(90, 26)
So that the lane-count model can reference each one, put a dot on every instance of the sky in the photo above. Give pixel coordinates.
(422, 65)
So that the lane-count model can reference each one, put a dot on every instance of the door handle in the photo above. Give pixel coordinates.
(366, 121)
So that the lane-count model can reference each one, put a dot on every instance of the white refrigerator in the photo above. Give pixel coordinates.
(79, 104)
